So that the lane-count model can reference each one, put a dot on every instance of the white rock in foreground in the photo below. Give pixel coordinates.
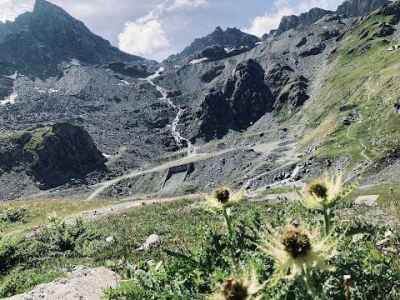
(369, 201)
(83, 284)
(153, 241)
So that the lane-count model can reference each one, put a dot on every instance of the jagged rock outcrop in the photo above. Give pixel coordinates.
(288, 88)
(131, 70)
(213, 53)
(248, 94)
(314, 50)
(244, 99)
(39, 41)
(358, 8)
(350, 8)
(305, 19)
(52, 155)
(231, 38)
(6, 87)
(393, 10)
(212, 74)
(384, 30)
(302, 42)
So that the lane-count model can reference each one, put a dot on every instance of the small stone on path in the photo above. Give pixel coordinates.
(368, 200)
(153, 241)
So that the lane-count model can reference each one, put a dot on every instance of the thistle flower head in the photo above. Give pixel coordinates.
(222, 195)
(223, 198)
(243, 288)
(296, 242)
(235, 290)
(295, 249)
(323, 193)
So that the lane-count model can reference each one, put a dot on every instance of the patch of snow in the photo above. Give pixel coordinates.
(198, 61)
(40, 90)
(258, 43)
(13, 76)
(10, 99)
(75, 62)
(110, 239)
(156, 74)
(107, 156)
(53, 91)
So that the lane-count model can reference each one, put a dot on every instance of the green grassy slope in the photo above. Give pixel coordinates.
(363, 77)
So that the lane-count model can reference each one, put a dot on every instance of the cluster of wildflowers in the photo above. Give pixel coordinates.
(296, 249)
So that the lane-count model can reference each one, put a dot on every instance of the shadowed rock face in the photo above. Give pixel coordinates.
(244, 99)
(52, 155)
(39, 41)
(248, 95)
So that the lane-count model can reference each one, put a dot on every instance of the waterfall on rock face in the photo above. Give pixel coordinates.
(179, 139)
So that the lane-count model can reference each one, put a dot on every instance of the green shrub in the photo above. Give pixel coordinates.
(16, 215)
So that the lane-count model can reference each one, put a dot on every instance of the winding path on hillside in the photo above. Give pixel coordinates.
(103, 186)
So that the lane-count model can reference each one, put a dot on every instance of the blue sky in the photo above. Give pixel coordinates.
(158, 28)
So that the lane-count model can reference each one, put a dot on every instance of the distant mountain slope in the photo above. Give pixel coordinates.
(37, 42)
(305, 19)
(348, 9)
(231, 38)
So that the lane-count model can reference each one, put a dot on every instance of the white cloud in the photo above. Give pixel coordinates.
(263, 24)
(187, 4)
(146, 38)
(10, 9)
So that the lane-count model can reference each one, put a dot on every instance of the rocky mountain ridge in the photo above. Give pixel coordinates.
(37, 42)
(219, 44)
(348, 9)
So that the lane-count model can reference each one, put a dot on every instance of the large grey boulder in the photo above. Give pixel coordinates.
(52, 155)
(84, 283)
(153, 241)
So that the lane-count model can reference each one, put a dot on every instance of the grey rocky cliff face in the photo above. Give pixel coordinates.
(244, 99)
